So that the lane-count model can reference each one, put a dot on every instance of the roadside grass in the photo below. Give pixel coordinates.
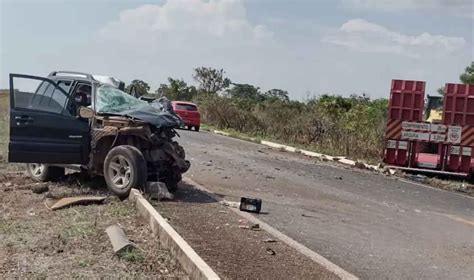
(120, 210)
(4, 128)
(133, 255)
(77, 225)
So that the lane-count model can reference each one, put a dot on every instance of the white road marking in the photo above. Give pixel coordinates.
(338, 271)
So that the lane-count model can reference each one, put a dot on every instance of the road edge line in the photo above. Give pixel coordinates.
(189, 260)
(327, 264)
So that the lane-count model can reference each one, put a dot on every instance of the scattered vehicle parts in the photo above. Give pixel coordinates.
(269, 240)
(40, 189)
(250, 204)
(119, 240)
(271, 251)
(233, 204)
(55, 204)
(87, 123)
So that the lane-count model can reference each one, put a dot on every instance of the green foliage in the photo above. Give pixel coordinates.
(353, 126)
(141, 87)
(277, 94)
(177, 90)
(440, 91)
(468, 76)
(211, 81)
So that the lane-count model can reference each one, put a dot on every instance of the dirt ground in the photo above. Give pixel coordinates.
(71, 243)
(233, 252)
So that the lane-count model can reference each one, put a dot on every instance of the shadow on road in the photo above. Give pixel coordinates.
(188, 194)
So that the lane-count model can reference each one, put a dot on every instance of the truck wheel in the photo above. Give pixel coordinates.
(43, 172)
(196, 128)
(125, 168)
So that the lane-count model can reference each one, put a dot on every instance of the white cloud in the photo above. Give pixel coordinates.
(214, 19)
(365, 36)
(464, 8)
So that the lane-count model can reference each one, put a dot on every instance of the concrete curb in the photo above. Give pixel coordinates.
(291, 149)
(327, 264)
(190, 261)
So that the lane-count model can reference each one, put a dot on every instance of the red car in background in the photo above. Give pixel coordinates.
(188, 112)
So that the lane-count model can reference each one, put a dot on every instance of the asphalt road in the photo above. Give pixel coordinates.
(373, 226)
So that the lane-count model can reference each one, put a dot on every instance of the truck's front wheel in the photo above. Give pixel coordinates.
(125, 168)
(43, 172)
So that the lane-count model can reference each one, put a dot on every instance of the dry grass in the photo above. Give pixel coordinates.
(4, 127)
(37, 243)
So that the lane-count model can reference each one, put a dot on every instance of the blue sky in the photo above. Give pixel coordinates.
(305, 47)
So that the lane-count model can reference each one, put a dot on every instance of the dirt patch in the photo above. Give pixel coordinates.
(234, 252)
(71, 243)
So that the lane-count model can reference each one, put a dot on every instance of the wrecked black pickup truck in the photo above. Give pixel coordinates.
(88, 123)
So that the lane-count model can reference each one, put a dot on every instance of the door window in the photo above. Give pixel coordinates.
(38, 94)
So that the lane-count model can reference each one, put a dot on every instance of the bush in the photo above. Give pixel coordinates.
(351, 126)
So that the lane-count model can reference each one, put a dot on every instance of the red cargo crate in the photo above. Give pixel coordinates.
(458, 106)
(406, 104)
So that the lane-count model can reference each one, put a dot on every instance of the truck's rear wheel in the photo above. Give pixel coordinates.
(43, 172)
(125, 168)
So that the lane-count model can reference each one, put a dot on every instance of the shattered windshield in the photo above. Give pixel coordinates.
(112, 100)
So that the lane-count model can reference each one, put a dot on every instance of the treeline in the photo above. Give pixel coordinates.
(351, 126)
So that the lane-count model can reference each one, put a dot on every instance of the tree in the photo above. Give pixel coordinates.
(141, 87)
(440, 91)
(468, 76)
(245, 96)
(278, 94)
(211, 80)
(245, 91)
(177, 90)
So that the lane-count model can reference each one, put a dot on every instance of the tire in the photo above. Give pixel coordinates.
(43, 172)
(196, 128)
(125, 168)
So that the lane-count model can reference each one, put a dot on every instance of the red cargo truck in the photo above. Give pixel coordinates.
(444, 146)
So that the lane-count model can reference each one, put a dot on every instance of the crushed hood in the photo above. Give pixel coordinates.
(151, 115)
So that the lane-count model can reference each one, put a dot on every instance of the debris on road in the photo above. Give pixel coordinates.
(255, 227)
(40, 189)
(250, 204)
(244, 224)
(269, 240)
(271, 252)
(338, 177)
(308, 216)
(119, 240)
(417, 178)
(158, 191)
(233, 204)
(55, 204)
